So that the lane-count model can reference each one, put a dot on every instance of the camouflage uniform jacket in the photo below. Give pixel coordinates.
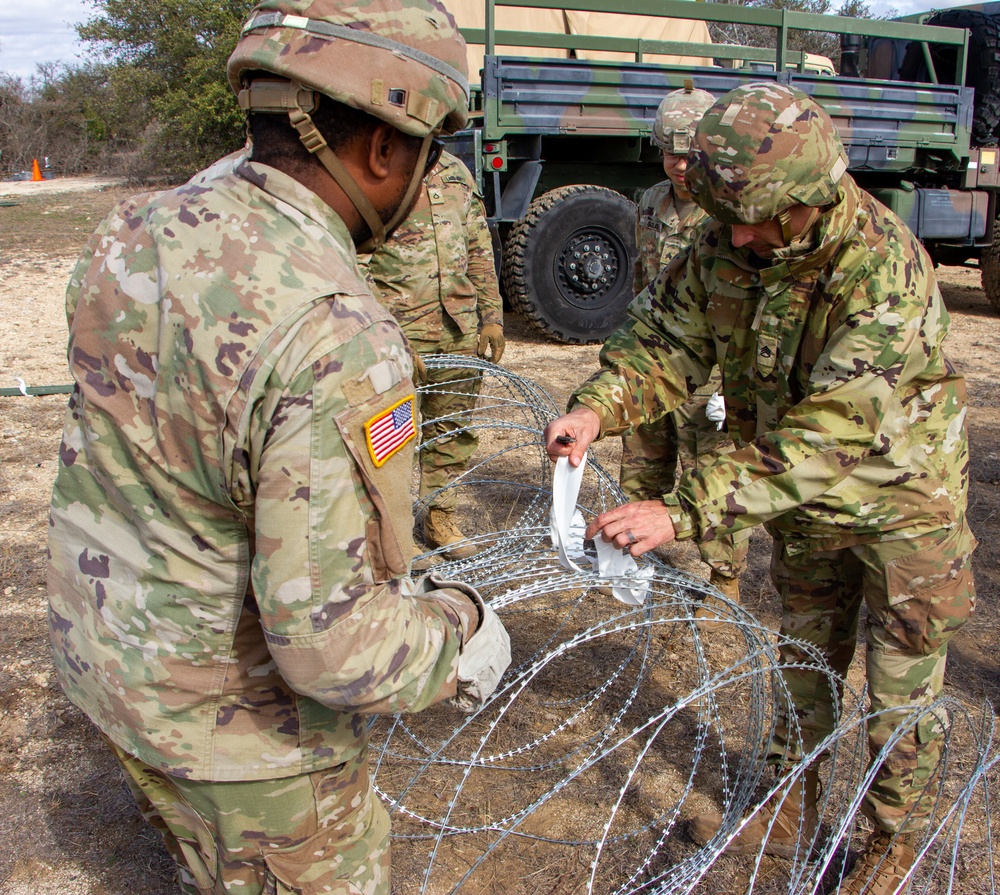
(230, 524)
(660, 235)
(848, 418)
(438, 266)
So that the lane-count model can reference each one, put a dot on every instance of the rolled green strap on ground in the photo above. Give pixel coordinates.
(32, 391)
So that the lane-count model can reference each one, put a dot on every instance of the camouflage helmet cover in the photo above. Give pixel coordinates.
(761, 149)
(402, 61)
(677, 116)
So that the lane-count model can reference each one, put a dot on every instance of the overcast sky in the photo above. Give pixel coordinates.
(38, 31)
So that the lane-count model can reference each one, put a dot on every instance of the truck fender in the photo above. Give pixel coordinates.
(519, 191)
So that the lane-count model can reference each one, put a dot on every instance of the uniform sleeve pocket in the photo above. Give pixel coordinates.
(380, 435)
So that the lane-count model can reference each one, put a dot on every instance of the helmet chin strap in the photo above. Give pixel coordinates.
(314, 142)
(416, 179)
(796, 241)
(267, 95)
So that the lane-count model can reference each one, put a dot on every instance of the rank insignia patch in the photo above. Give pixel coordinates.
(390, 430)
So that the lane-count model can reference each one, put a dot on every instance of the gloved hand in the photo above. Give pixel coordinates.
(485, 655)
(483, 661)
(419, 370)
(715, 410)
(491, 339)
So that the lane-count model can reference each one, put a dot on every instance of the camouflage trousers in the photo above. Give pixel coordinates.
(918, 593)
(649, 468)
(320, 832)
(447, 400)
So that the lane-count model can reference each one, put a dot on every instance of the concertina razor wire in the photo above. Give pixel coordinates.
(615, 724)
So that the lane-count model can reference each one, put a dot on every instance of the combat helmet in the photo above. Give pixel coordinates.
(677, 116)
(761, 149)
(402, 61)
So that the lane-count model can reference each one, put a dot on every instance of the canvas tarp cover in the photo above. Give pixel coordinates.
(612, 24)
(472, 14)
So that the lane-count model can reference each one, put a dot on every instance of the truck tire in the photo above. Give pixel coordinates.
(982, 71)
(989, 269)
(567, 264)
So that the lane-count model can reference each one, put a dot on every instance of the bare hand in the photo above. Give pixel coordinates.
(571, 435)
(637, 527)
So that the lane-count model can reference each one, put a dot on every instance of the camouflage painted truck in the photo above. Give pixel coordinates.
(559, 142)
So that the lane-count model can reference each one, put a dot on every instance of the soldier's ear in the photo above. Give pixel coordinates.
(389, 152)
(380, 148)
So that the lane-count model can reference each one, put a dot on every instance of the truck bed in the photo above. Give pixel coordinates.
(885, 125)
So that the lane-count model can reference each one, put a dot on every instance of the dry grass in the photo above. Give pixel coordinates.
(53, 224)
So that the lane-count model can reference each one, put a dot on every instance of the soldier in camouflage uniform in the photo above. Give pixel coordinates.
(667, 221)
(230, 527)
(438, 279)
(822, 311)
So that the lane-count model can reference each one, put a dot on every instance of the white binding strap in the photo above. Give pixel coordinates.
(630, 583)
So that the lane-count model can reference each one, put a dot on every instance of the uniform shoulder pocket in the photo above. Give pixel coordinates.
(380, 433)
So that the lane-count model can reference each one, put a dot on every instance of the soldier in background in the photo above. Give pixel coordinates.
(667, 221)
(821, 309)
(231, 528)
(438, 279)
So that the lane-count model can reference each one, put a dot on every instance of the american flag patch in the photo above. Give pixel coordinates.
(390, 430)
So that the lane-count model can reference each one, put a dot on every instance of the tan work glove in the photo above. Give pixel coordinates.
(482, 662)
(491, 340)
(485, 654)
(419, 370)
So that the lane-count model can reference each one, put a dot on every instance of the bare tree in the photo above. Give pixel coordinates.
(822, 43)
(56, 116)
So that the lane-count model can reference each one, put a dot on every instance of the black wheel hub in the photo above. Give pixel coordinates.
(589, 265)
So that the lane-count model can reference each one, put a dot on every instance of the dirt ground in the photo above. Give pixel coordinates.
(67, 825)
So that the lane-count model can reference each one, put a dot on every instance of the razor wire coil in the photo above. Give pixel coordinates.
(614, 723)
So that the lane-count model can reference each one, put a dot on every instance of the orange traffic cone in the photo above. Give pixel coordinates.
(36, 172)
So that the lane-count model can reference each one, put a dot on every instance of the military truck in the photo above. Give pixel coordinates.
(560, 126)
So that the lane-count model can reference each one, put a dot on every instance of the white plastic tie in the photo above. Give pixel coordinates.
(629, 581)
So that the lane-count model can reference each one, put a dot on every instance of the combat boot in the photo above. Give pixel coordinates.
(883, 868)
(707, 614)
(440, 530)
(790, 834)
